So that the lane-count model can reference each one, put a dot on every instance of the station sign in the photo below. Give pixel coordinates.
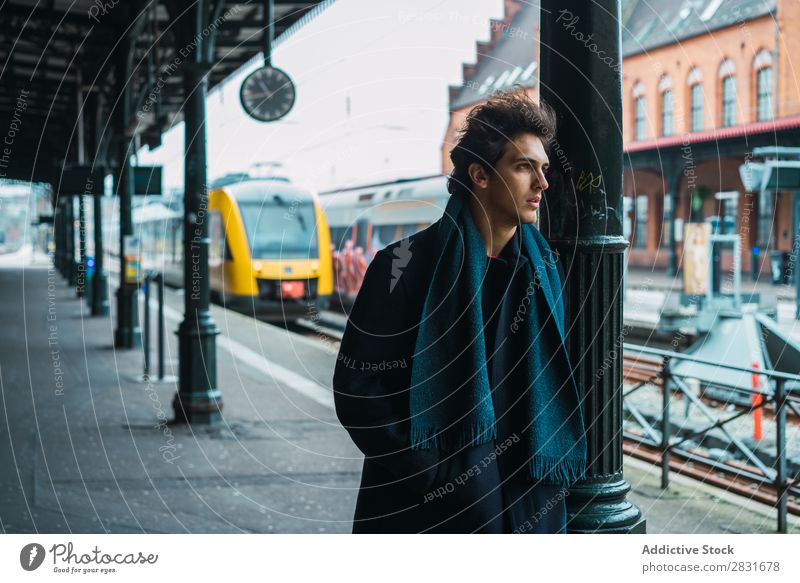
(148, 180)
(76, 180)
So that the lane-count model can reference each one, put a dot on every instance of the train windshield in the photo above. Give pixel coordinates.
(280, 229)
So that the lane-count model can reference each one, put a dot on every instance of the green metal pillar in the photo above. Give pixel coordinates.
(58, 236)
(128, 334)
(100, 305)
(198, 399)
(69, 247)
(582, 217)
(80, 271)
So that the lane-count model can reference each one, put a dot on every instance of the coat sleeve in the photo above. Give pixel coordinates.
(373, 372)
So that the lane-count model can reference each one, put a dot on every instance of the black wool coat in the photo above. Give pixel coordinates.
(413, 491)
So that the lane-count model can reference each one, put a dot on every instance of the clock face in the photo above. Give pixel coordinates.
(267, 94)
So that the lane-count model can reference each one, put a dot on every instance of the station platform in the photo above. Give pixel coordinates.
(88, 448)
(640, 278)
(647, 292)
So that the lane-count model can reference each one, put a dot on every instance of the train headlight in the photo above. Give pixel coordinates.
(256, 266)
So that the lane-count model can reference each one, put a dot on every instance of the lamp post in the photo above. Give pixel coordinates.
(198, 399)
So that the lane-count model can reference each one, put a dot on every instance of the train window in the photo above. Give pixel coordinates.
(361, 234)
(340, 235)
(280, 229)
(387, 234)
(382, 235)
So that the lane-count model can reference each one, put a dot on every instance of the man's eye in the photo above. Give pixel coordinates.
(525, 166)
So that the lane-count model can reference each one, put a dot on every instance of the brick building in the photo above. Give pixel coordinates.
(704, 82)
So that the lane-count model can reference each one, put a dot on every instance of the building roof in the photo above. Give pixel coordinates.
(510, 61)
(648, 24)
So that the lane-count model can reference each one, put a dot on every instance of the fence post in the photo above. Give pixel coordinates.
(160, 278)
(147, 328)
(665, 423)
(780, 459)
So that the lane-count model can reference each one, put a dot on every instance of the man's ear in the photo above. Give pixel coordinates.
(478, 175)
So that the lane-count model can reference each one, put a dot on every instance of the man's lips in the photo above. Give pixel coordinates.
(534, 201)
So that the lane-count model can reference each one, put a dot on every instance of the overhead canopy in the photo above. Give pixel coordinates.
(47, 46)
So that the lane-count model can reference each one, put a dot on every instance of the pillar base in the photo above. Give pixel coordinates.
(72, 273)
(200, 408)
(128, 334)
(100, 305)
(197, 400)
(601, 507)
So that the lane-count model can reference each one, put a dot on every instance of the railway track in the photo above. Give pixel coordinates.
(713, 476)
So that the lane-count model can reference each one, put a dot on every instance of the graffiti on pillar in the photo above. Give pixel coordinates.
(588, 181)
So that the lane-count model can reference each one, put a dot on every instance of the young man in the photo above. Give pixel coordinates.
(452, 377)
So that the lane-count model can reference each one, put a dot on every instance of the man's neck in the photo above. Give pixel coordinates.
(495, 234)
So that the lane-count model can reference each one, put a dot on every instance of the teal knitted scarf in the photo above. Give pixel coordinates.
(450, 396)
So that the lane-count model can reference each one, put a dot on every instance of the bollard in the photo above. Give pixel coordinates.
(757, 399)
(158, 280)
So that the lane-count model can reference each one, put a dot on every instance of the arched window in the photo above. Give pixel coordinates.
(697, 107)
(665, 88)
(727, 72)
(764, 93)
(762, 65)
(666, 113)
(696, 97)
(640, 112)
(729, 101)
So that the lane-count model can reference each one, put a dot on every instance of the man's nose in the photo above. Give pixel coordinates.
(542, 181)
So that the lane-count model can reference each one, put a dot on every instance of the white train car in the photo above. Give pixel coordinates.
(365, 219)
(375, 215)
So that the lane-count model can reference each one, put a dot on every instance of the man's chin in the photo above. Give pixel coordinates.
(528, 217)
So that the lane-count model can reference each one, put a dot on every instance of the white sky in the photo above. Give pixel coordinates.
(394, 60)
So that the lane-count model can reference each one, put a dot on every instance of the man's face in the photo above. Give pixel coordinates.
(513, 192)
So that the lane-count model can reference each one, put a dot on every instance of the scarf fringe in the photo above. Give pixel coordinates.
(556, 470)
(478, 433)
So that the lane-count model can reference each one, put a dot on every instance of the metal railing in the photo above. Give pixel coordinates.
(659, 434)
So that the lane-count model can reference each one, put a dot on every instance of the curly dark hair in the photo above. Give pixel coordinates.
(492, 125)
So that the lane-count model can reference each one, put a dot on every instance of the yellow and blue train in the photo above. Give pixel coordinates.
(270, 248)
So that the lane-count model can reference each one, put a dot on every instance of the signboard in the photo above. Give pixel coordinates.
(696, 261)
(147, 180)
(72, 180)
